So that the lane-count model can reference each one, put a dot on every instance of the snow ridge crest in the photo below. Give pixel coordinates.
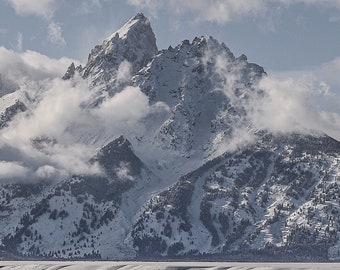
(135, 42)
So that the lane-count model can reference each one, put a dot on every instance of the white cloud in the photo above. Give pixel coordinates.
(292, 105)
(206, 10)
(329, 72)
(122, 112)
(42, 136)
(55, 34)
(151, 5)
(326, 75)
(288, 106)
(72, 158)
(10, 170)
(52, 137)
(54, 106)
(124, 72)
(49, 172)
(58, 106)
(89, 6)
(123, 171)
(280, 104)
(19, 42)
(222, 12)
(42, 8)
(320, 3)
(19, 67)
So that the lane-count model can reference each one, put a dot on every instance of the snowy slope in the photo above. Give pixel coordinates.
(135, 43)
(265, 197)
(190, 175)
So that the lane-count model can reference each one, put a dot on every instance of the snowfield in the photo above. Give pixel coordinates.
(146, 153)
(49, 265)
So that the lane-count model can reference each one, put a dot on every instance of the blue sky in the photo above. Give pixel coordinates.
(285, 36)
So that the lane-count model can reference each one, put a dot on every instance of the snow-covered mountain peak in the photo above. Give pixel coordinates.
(135, 43)
(203, 84)
(191, 174)
(137, 23)
(213, 45)
(203, 46)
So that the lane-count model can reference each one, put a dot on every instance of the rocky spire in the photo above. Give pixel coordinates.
(135, 42)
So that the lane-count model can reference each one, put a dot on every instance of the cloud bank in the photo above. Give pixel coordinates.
(324, 79)
(291, 105)
(278, 104)
(61, 130)
(18, 68)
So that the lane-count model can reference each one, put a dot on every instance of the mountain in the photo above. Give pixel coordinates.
(180, 169)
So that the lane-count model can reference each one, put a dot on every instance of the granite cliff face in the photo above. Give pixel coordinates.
(193, 176)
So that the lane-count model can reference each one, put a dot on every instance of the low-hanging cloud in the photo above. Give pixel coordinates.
(278, 104)
(124, 72)
(10, 170)
(290, 105)
(18, 68)
(324, 79)
(39, 140)
(123, 109)
(61, 130)
(329, 72)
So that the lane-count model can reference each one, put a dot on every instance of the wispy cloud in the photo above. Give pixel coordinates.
(205, 10)
(52, 139)
(55, 34)
(56, 136)
(19, 67)
(19, 42)
(326, 74)
(281, 104)
(290, 105)
(41, 139)
(47, 8)
(10, 170)
(42, 8)
(320, 3)
(89, 6)
(223, 12)
(330, 72)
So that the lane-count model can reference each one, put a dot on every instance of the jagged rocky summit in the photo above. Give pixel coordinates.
(182, 183)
